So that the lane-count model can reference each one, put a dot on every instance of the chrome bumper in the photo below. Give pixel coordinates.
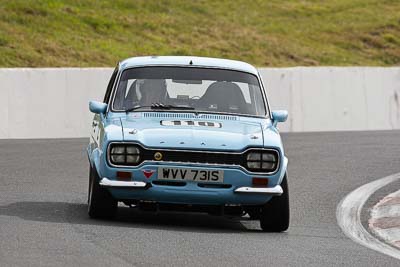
(277, 190)
(131, 184)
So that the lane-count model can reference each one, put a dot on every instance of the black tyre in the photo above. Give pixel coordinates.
(101, 205)
(275, 214)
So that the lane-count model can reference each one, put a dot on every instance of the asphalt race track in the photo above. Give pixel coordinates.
(43, 219)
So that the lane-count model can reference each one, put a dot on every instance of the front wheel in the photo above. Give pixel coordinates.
(274, 215)
(101, 205)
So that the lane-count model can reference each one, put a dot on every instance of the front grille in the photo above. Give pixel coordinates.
(193, 156)
(196, 157)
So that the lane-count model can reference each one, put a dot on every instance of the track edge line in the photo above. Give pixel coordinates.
(348, 216)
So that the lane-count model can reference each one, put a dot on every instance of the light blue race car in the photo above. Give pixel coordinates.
(188, 134)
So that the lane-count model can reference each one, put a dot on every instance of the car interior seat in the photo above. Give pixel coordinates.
(146, 92)
(153, 91)
(223, 97)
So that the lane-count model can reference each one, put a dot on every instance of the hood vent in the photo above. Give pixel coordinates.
(218, 117)
(192, 123)
(189, 116)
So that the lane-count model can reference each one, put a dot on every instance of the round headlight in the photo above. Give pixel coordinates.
(268, 165)
(132, 150)
(254, 165)
(268, 157)
(253, 156)
(118, 149)
(118, 159)
(132, 159)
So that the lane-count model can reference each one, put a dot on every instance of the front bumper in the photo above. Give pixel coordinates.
(240, 190)
(121, 184)
(274, 191)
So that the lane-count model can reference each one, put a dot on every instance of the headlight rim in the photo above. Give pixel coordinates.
(261, 162)
(125, 154)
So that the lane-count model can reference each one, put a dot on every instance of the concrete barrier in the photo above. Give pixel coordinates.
(49, 103)
(336, 98)
(53, 102)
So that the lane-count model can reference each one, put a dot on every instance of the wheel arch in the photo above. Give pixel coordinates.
(94, 160)
(283, 172)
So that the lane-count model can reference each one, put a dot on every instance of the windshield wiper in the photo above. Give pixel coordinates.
(135, 108)
(160, 106)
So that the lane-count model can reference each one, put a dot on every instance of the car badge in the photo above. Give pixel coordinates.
(158, 156)
(148, 173)
(133, 131)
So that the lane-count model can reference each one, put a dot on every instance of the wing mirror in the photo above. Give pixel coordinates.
(97, 107)
(279, 116)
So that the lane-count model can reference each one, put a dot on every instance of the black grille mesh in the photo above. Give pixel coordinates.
(196, 157)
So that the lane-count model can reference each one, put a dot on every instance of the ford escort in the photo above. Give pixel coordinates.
(188, 133)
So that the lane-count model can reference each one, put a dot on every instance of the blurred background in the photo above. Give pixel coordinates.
(95, 33)
(333, 64)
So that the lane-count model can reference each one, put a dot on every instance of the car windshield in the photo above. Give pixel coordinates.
(191, 88)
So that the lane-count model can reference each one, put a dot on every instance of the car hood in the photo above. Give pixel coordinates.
(223, 135)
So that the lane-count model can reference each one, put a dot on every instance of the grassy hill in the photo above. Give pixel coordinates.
(265, 33)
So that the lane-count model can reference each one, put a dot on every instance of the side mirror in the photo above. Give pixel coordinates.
(97, 107)
(279, 116)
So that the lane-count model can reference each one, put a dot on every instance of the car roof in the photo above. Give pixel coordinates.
(190, 61)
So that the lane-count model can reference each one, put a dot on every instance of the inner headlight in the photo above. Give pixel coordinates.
(262, 161)
(124, 154)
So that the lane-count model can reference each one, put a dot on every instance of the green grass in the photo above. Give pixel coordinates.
(265, 33)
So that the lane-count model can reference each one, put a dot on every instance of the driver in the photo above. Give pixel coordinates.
(153, 91)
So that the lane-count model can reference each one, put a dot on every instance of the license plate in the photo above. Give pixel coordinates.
(197, 175)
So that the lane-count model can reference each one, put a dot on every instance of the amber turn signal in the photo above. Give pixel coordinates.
(260, 182)
(124, 176)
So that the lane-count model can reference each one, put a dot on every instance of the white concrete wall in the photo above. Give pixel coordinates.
(336, 98)
(49, 103)
(53, 102)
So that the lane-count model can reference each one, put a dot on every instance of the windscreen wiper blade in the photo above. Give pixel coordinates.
(135, 108)
(160, 106)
